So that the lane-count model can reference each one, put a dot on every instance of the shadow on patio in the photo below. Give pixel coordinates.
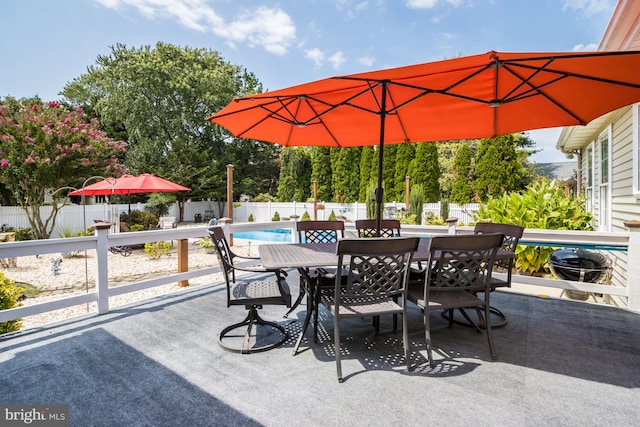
(157, 363)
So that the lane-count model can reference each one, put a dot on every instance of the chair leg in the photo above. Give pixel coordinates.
(336, 344)
(427, 334)
(489, 335)
(253, 318)
(405, 340)
(296, 303)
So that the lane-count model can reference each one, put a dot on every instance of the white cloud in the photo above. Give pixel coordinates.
(270, 28)
(430, 4)
(591, 47)
(316, 55)
(589, 7)
(367, 61)
(336, 60)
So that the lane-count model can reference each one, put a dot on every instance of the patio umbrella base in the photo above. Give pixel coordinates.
(263, 341)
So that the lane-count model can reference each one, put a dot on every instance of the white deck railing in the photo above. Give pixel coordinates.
(103, 240)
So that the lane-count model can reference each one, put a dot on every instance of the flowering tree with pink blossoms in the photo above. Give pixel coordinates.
(45, 146)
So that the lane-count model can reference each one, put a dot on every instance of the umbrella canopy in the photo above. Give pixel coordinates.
(468, 97)
(129, 184)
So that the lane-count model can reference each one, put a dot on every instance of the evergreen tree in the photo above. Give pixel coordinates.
(321, 172)
(461, 191)
(366, 160)
(389, 171)
(425, 171)
(295, 175)
(345, 177)
(404, 155)
(498, 167)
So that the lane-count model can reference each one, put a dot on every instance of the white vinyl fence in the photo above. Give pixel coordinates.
(76, 218)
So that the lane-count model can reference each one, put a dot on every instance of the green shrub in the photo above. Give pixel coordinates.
(251, 218)
(405, 218)
(305, 216)
(444, 209)
(276, 217)
(25, 234)
(144, 218)
(137, 227)
(332, 216)
(416, 200)
(542, 205)
(432, 219)
(155, 250)
(9, 294)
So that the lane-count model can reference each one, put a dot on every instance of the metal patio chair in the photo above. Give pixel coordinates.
(459, 268)
(378, 272)
(253, 294)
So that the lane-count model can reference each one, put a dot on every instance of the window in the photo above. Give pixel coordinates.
(589, 179)
(604, 178)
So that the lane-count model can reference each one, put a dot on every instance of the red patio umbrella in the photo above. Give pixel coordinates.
(468, 97)
(129, 184)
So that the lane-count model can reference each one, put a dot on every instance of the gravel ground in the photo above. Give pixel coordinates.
(76, 275)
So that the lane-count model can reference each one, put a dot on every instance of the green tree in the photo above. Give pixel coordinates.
(389, 173)
(406, 152)
(345, 176)
(321, 172)
(46, 146)
(499, 166)
(295, 175)
(366, 160)
(160, 96)
(425, 171)
(461, 191)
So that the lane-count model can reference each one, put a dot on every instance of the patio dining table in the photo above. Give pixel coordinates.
(304, 256)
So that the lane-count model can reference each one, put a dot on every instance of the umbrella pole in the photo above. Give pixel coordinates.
(380, 190)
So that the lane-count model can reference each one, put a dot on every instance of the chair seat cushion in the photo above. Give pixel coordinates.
(362, 306)
(442, 299)
(261, 292)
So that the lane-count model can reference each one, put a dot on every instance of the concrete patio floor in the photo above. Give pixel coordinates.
(157, 363)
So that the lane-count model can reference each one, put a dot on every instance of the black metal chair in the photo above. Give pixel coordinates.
(320, 231)
(459, 268)
(512, 235)
(368, 228)
(378, 273)
(253, 294)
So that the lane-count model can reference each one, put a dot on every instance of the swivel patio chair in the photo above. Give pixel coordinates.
(459, 268)
(253, 294)
(378, 272)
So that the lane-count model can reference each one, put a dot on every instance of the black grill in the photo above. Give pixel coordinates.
(578, 265)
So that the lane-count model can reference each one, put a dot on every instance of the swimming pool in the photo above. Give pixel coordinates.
(275, 235)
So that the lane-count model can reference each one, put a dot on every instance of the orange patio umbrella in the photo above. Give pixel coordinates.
(477, 96)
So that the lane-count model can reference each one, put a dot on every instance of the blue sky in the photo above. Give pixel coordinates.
(45, 44)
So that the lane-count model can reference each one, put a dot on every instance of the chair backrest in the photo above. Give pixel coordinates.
(225, 255)
(388, 227)
(512, 234)
(462, 262)
(320, 231)
(377, 266)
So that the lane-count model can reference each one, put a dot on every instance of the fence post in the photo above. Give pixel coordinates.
(633, 267)
(451, 223)
(102, 266)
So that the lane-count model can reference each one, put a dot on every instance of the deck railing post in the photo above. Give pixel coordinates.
(102, 267)
(633, 266)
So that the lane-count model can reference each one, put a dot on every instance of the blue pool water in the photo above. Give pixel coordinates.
(276, 235)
